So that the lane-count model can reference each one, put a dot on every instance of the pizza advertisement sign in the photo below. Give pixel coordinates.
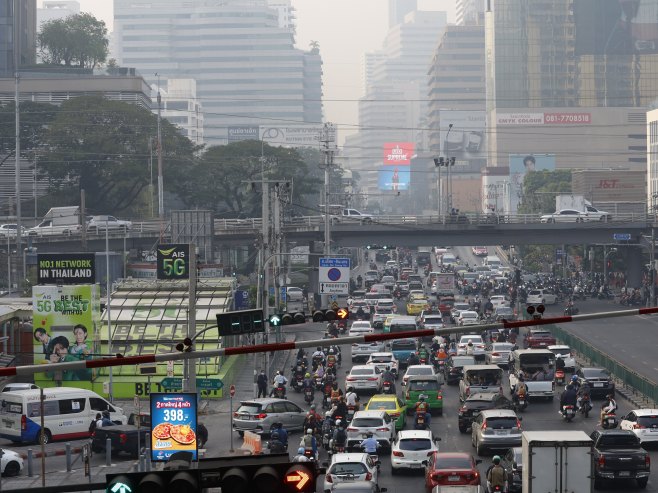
(173, 425)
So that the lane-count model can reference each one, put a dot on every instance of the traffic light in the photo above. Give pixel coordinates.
(185, 346)
(287, 319)
(343, 314)
(240, 322)
(328, 315)
(536, 313)
(153, 482)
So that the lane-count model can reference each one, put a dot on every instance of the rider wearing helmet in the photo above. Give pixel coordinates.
(575, 382)
(370, 444)
(309, 442)
(520, 388)
(423, 407)
(496, 475)
(331, 358)
(300, 457)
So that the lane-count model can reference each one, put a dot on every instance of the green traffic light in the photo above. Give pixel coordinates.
(275, 320)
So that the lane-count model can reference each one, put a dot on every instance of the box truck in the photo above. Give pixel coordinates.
(557, 461)
(58, 220)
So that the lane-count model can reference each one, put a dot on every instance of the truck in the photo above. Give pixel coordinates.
(59, 221)
(424, 256)
(618, 455)
(528, 362)
(445, 284)
(123, 439)
(580, 204)
(556, 461)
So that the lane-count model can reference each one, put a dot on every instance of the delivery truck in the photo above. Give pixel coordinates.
(557, 461)
(59, 221)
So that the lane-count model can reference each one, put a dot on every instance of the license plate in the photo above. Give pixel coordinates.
(624, 474)
(501, 432)
(364, 435)
(598, 384)
(453, 478)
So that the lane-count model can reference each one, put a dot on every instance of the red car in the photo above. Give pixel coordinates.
(451, 469)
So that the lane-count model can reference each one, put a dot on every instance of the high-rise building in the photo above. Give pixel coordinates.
(469, 12)
(247, 69)
(370, 61)
(286, 13)
(23, 15)
(570, 81)
(179, 105)
(397, 9)
(56, 9)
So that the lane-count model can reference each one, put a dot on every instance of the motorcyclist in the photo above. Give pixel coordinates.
(609, 406)
(370, 444)
(559, 362)
(301, 356)
(298, 369)
(413, 359)
(275, 445)
(283, 434)
(422, 354)
(300, 457)
(308, 383)
(352, 399)
(520, 389)
(569, 397)
(332, 329)
(279, 381)
(441, 354)
(360, 313)
(331, 357)
(319, 371)
(423, 407)
(309, 442)
(359, 280)
(436, 345)
(339, 410)
(340, 435)
(584, 393)
(575, 382)
(336, 393)
(312, 419)
(469, 348)
(318, 357)
(497, 475)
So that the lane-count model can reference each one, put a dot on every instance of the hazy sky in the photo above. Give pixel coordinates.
(345, 29)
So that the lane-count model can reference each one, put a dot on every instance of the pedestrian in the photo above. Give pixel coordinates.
(262, 382)
(106, 421)
(94, 423)
(99, 420)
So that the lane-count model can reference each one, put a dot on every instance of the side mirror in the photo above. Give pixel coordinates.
(437, 439)
(424, 463)
(478, 461)
(520, 418)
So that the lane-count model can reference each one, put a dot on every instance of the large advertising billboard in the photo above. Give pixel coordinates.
(66, 268)
(466, 139)
(66, 320)
(616, 27)
(173, 425)
(519, 166)
(395, 174)
(291, 135)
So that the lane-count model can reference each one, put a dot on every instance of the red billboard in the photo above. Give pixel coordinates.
(398, 153)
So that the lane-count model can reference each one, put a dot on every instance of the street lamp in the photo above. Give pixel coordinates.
(439, 163)
(606, 254)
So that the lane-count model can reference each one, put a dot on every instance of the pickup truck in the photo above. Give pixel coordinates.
(349, 215)
(123, 437)
(618, 454)
(539, 338)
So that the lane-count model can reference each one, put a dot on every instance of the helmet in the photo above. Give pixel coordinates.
(338, 422)
(308, 375)
(520, 377)
(331, 350)
(558, 356)
(327, 414)
(574, 378)
(319, 348)
(370, 434)
(312, 407)
(421, 397)
(470, 343)
(300, 450)
(442, 346)
(350, 389)
(496, 459)
(609, 396)
(309, 431)
(278, 372)
(275, 435)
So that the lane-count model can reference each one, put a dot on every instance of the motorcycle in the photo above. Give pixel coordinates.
(280, 392)
(585, 405)
(420, 421)
(521, 402)
(568, 412)
(494, 489)
(571, 310)
(298, 383)
(318, 383)
(387, 387)
(308, 395)
(559, 377)
(350, 413)
(342, 327)
(610, 421)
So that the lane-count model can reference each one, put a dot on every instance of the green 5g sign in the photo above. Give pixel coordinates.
(173, 261)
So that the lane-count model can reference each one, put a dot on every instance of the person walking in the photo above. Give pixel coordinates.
(262, 382)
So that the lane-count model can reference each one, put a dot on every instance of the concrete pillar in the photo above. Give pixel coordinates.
(634, 261)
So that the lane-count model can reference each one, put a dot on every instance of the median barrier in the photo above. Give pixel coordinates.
(252, 442)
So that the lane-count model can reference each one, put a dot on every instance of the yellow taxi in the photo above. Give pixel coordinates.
(393, 406)
(417, 305)
(388, 320)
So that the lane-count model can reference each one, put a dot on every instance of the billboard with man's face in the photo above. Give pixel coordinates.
(519, 166)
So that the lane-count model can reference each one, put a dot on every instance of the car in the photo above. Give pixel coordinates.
(541, 297)
(361, 327)
(402, 287)
(351, 467)
(475, 404)
(101, 223)
(539, 339)
(495, 429)
(361, 351)
(454, 369)
(642, 422)
(384, 361)
(499, 300)
(389, 282)
(364, 378)
(11, 463)
(431, 320)
(566, 354)
(512, 461)
(564, 216)
(392, 404)
(417, 305)
(456, 309)
(599, 380)
(9, 230)
(468, 317)
(504, 313)
(18, 387)
(349, 215)
(452, 470)
(419, 370)
(427, 386)
(258, 415)
(411, 448)
(357, 487)
(379, 423)
(479, 348)
(480, 251)
(354, 308)
(498, 354)
(415, 294)
(383, 308)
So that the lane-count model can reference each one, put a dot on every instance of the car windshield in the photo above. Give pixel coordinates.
(383, 405)
(353, 468)
(366, 422)
(396, 327)
(504, 311)
(461, 306)
(405, 344)
(453, 463)
(595, 373)
(415, 444)
(360, 329)
(421, 370)
(462, 361)
(473, 339)
(618, 441)
(502, 346)
(562, 351)
(382, 359)
(433, 320)
(362, 371)
(469, 315)
(251, 408)
(501, 422)
(424, 385)
(648, 421)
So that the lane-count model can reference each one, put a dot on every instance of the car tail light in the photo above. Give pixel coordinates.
(602, 461)
(436, 476)
(439, 396)
(350, 379)
(468, 391)
(495, 354)
(397, 453)
(369, 476)
(382, 429)
(329, 478)
(262, 416)
(352, 429)
(372, 379)
(429, 454)
(647, 461)
(469, 476)
(235, 414)
(518, 424)
(394, 415)
(637, 426)
(123, 438)
(354, 344)
(23, 423)
(484, 426)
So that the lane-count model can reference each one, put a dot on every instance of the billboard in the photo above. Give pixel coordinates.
(467, 137)
(395, 174)
(291, 135)
(243, 132)
(66, 320)
(616, 27)
(173, 425)
(545, 118)
(519, 165)
(173, 261)
(66, 268)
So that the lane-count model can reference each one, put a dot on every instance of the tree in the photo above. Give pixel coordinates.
(540, 189)
(34, 121)
(78, 40)
(101, 146)
(315, 47)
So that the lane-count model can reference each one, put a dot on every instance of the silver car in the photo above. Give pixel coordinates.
(364, 378)
(496, 429)
(258, 415)
(379, 423)
(499, 354)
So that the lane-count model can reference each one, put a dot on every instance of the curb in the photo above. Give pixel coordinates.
(53, 453)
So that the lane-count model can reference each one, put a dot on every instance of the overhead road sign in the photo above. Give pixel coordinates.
(622, 236)
(334, 276)
(334, 288)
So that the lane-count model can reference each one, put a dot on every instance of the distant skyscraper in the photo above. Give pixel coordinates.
(56, 9)
(469, 12)
(247, 69)
(397, 9)
(370, 62)
(27, 27)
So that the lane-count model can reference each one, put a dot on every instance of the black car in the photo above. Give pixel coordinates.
(599, 380)
(477, 403)
(512, 461)
(454, 368)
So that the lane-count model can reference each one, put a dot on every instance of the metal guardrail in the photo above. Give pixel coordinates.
(630, 377)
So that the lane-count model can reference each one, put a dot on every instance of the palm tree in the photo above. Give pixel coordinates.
(315, 47)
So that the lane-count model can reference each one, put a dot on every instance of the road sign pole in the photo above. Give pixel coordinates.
(231, 393)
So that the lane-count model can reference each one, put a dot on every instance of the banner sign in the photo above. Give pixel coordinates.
(173, 261)
(66, 268)
(66, 321)
(173, 425)
(399, 153)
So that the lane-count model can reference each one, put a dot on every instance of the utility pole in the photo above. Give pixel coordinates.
(160, 180)
(328, 141)
(83, 221)
(190, 365)
(17, 152)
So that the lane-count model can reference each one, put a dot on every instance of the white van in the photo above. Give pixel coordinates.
(493, 262)
(68, 412)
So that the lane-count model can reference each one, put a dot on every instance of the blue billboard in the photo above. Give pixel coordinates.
(173, 425)
(394, 177)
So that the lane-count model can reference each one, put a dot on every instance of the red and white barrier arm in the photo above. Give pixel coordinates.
(285, 346)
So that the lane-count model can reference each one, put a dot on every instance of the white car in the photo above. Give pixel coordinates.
(384, 361)
(9, 230)
(431, 321)
(419, 370)
(642, 422)
(566, 354)
(478, 345)
(541, 297)
(468, 317)
(364, 378)
(499, 300)
(411, 449)
(499, 354)
(457, 308)
(351, 467)
(11, 464)
(564, 216)
(379, 423)
(101, 223)
(360, 328)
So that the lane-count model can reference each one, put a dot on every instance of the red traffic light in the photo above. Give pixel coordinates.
(343, 314)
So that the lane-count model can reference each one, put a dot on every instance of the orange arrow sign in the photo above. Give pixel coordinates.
(299, 478)
(342, 313)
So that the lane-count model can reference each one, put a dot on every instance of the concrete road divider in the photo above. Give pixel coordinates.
(252, 442)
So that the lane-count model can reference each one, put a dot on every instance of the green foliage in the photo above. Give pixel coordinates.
(101, 146)
(34, 121)
(79, 40)
(540, 189)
